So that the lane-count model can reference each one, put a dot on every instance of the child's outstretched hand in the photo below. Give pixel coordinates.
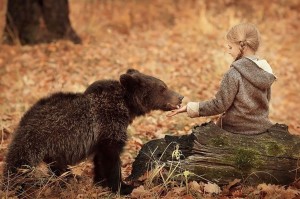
(176, 111)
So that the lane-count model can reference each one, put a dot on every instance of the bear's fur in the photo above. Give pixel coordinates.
(65, 128)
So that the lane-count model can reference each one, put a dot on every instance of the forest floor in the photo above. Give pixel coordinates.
(181, 43)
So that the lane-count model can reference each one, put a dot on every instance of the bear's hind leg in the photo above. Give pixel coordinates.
(19, 164)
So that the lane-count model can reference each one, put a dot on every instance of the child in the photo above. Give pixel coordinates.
(245, 90)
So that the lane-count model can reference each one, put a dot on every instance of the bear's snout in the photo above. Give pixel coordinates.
(174, 102)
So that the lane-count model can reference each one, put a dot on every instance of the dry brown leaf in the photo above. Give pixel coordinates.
(140, 192)
(226, 189)
(179, 190)
(187, 197)
(195, 186)
(212, 188)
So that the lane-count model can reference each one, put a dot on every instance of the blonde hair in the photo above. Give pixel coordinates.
(244, 34)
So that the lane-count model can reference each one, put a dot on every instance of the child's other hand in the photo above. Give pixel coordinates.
(176, 111)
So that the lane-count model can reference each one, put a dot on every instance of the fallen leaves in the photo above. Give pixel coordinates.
(277, 192)
(188, 55)
(140, 192)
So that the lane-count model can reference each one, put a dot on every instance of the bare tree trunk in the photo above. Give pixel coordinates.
(38, 21)
(3, 5)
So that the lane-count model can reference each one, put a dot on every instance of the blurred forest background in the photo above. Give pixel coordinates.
(181, 42)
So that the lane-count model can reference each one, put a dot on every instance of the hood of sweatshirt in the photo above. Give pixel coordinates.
(257, 71)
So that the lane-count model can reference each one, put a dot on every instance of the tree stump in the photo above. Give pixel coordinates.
(217, 156)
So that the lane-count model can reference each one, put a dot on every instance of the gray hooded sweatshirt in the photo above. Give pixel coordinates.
(243, 98)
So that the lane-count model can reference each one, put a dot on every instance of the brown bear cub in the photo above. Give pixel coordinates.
(65, 128)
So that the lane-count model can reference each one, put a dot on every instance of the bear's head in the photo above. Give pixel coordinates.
(148, 93)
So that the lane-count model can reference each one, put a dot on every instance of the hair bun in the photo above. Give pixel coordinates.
(243, 43)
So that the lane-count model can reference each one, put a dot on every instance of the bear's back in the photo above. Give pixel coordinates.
(53, 107)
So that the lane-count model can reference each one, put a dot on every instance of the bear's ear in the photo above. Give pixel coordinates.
(131, 71)
(128, 81)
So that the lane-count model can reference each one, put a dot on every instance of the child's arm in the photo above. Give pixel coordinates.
(225, 96)
(192, 109)
(222, 101)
